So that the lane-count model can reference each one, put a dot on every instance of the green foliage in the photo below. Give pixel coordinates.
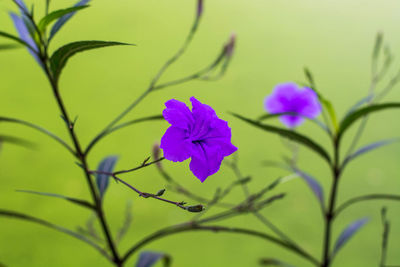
(292, 135)
(60, 57)
(45, 21)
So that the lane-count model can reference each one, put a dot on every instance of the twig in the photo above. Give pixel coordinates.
(355, 200)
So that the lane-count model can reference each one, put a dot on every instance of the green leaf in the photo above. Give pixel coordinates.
(325, 102)
(16, 39)
(15, 141)
(21, 216)
(367, 149)
(60, 57)
(331, 111)
(274, 262)
(356, 115)
(275, 115)
(83, 203)
(46, 20)
(8, 47)
(377, 46)
(40, 129)
(292, 135)
(64, 19)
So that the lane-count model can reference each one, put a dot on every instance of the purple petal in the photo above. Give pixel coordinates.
(175, 144)
(203, 116)
(311, 107)
(291, 121)
(281, 98)
(224, 145)
(178, 114)
(288, 97)
(220, 135)
(206, 160)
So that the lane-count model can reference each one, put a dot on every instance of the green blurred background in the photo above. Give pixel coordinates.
(276, 39)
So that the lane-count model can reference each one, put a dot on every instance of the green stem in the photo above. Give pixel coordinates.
(82, 158)
(329, 215)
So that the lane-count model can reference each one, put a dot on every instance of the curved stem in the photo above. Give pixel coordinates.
(21, 216)
(120, 126)
(154, 80)
(40, 129)
(196, 227)
(82, 158)
(355, 200)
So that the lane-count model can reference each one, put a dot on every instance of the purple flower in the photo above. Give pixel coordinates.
(289, 97)
(198, 134)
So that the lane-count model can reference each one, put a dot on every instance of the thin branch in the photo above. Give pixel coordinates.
(154, 81)
(355, 200)
(177, 187)
(187, 227)
(118, 127)
(17, 215)
(40, 129)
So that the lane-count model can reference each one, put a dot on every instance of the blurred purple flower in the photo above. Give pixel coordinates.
(198, 134)
(289, 97)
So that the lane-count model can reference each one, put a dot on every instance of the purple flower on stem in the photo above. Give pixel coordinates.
(198, 134)
(289, 97)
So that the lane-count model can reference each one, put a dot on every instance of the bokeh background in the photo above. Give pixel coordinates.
(276, 39)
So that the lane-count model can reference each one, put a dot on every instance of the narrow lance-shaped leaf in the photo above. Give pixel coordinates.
(377, 46)
(14, 38)
(38, 128)
(80, 202)
(15, 141)
(325, 102)
(103, 180)
(299, 138)
(22, 6)
(361, 102)
(8, 46)
(348, 233)
(277, 115)
(127, 222)
(150, 258)
(24, 217)
(356, 115)
(369, 148)
(60, 57)
(46, 20)
(57, 26)
(314, 185)
(274, 262)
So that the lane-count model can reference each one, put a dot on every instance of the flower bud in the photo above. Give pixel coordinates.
(197, 208)
(156, 154)
(160, 192)
(199, 8)
(230, 46)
